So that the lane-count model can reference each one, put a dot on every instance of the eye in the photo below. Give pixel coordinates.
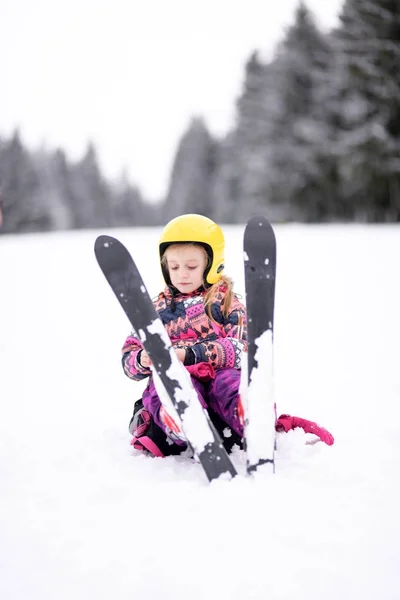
(192, 268)
(173, 268)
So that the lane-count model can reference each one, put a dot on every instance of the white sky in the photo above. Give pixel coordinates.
(130, 74)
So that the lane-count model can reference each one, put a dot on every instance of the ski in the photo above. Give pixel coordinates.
(259, 248)
(170, 376)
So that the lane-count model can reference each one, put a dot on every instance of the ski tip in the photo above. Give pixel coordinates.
(258, 221)
(258, 224)
(103, 241)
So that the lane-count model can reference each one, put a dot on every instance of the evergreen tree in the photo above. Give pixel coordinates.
(23, 208)
(61, 171)
(225, 185)
(301, 171)
(243, 172)
(42, 191)
(368, 44)
(192, 173)
(52, 168)
(90, 194)
(128, 207)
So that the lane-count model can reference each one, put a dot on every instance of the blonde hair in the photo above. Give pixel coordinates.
(212, 291)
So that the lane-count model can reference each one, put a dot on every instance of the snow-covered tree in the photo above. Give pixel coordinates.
(243, 157)
(251, 141)
(226, 183)
(42, 191)
(368, 45)
(278, 160)
(91, 196)
(128, 207)
(23, 208)
(54, 188)
(193, 169)
(300, 171)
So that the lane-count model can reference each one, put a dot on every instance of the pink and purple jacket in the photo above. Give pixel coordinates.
(219, 342)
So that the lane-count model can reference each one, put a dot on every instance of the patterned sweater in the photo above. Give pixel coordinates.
(219, 342)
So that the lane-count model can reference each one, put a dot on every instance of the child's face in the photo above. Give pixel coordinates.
(186, 265)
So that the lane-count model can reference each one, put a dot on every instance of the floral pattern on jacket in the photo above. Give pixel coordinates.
(219, 342)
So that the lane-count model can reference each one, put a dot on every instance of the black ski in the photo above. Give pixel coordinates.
(180, 398)
(259, 247)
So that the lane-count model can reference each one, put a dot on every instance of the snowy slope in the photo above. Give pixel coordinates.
(83, 516)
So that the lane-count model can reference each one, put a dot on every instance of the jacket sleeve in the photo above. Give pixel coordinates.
(132, 367)
(226, 351)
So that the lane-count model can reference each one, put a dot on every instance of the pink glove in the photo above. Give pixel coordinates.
(202, 371)
(286, 422)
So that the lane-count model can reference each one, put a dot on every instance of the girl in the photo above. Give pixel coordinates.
(206, 323)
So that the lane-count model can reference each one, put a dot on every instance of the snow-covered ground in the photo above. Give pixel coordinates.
(84, 516)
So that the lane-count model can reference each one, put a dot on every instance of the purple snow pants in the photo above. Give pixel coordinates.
(221, 394)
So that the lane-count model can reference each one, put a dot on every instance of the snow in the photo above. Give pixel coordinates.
(260, 440)
(83, 515)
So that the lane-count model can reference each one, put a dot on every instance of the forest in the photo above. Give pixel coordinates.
(316, 139)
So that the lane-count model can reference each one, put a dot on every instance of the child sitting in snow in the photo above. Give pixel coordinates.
(206, 323)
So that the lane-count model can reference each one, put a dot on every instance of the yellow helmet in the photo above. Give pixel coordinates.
(200, 230)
